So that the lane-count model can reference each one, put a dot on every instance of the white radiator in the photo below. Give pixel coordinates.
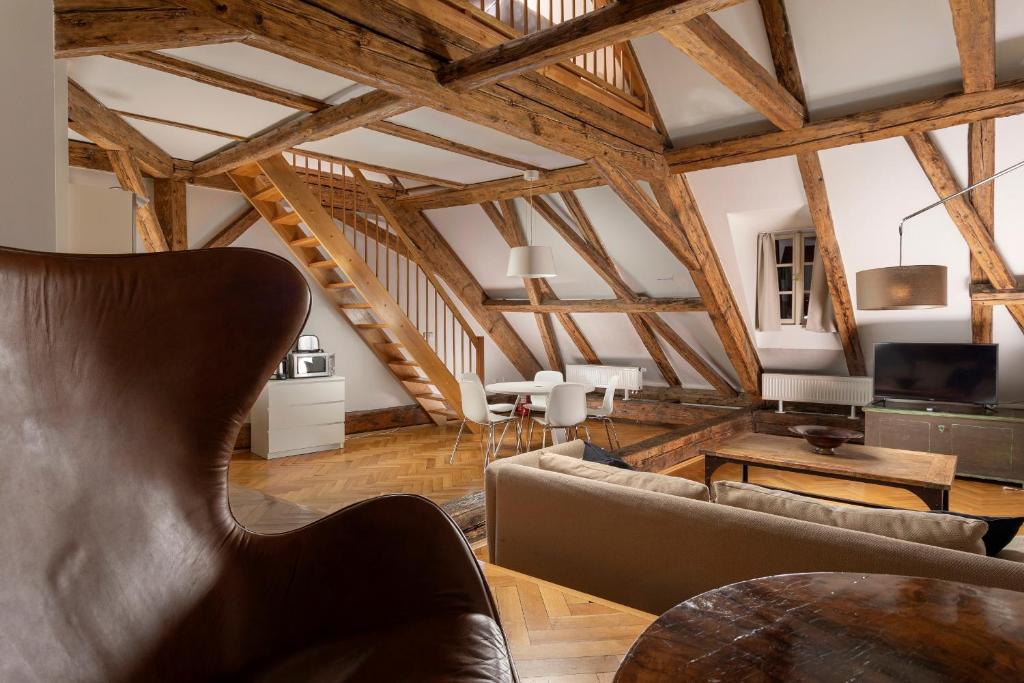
(851, 391)
(630, 379)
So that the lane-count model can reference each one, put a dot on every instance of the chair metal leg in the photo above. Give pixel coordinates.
(458, 437)
(529, 437)
(519, 436)
(544, 437)
(501, 439)
(586, 430)
(608, 421)
(489, 436)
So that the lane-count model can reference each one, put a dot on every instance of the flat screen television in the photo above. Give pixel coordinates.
(947, 373)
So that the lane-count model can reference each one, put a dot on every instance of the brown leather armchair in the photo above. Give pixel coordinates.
(123, 382)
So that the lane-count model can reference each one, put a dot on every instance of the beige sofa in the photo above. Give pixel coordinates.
(651, 550)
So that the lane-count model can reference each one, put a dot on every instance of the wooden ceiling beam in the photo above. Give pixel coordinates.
(615, 22)
(868, 126)
(346, 116)
(435, 255)
(985, 295)
(650, 214)
(295, 29)
(147, 224)
(413, 135)
(235, 228)
(556, 305)
(787, 70)
(596, 256)
(707, 44)
(82, 28)
(965, 218)
(974, 26)
(170, 206)
(676, 199)
(93, 119)
(220, 79)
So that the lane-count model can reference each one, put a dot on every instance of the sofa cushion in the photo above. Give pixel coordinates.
(1001, 531)
(942, 530)
(1014, 550)
(647, 481)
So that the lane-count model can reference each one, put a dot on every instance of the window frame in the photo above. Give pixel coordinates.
(799, 284)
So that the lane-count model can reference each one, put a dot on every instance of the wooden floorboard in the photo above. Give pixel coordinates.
(405, 460)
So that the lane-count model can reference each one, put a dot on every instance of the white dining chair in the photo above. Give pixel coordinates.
(604, 413)
(493, 407)
(566, 410)
(539, 402)
(476, 411)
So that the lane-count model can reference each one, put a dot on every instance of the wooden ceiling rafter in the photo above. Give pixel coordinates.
(647, 325)
(91, 118)
(974, 26)
(299, 102)
(613, 23)
(83, 28)
(147, 224)
(289, 28)
(718, 53)
(868, 126)
(965, 218)
(787, 71)
(641, 305)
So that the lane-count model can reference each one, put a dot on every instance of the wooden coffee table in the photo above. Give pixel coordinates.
(927, 475)
(835, 627)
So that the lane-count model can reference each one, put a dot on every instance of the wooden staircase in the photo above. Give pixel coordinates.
(364, 264)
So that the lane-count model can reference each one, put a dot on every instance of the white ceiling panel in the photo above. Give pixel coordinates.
(178, 142)
(264, 67)
(127, 87)
(388, 150)
(453, 128)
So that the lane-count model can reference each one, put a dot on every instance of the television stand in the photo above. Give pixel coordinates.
(989, 444)
(936, 407)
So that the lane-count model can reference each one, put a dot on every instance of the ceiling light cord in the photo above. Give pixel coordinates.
(952, 196)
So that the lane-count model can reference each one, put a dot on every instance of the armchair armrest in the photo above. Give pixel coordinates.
(383, 559)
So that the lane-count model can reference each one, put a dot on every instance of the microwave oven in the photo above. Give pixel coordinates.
(314, 364)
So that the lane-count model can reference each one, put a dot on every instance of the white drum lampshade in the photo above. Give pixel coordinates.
(531, 262)
(901, 288)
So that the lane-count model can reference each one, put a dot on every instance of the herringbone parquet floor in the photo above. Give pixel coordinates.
(408, 460)
(558, 635)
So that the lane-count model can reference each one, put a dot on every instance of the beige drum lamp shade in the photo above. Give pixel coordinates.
(531, 262)
(901, 288)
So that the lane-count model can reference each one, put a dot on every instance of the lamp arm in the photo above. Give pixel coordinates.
(942, 201)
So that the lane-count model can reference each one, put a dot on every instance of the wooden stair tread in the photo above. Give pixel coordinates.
(451, 414)
(268, 194)
(404, 363)
(416, 380)
(292, 218)
(355, 306)
(430, 397)
(339, 285)
(327, 263)
(371, 326)
(251, 170)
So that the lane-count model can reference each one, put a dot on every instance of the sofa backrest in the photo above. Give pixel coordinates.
(650, 550)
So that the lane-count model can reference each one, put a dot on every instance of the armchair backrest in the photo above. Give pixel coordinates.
(123, 383)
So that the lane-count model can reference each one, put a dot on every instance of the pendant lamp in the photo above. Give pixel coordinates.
(531, 261)
(903, 287)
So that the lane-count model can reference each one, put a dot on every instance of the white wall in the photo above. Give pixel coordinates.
(30, 127)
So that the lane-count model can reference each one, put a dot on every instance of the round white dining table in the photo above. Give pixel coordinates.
(528, 388)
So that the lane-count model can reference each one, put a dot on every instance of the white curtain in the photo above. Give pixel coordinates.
(767, 317)
(820, 315)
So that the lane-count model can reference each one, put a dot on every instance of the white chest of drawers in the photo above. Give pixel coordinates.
(294, 416)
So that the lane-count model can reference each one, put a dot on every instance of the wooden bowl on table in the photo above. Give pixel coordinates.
(825, 440)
